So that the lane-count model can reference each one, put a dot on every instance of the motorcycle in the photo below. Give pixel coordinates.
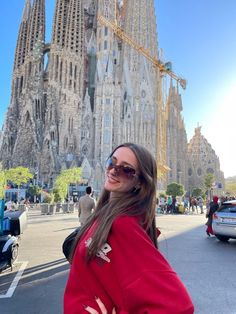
(12, 225)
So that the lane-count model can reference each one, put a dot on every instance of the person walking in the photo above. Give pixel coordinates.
(200, 204)
(209, 215)
(109, 273)
(86, 205)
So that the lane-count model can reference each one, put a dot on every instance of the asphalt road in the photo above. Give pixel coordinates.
(36, 284)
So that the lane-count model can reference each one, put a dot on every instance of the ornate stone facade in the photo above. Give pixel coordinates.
(76, 98)
(202, 159)
(176, 138)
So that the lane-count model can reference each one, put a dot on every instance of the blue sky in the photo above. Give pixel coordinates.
(198, 37)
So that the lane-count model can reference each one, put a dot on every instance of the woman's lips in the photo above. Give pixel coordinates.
(112, 179)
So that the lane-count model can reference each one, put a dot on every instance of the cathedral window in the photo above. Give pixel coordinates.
(21, 83)
(65, 143)
(30, 68)
(75, 72)
(108, 101)
(60, 78)
(210, 170)
(107, 120)
(199, 171)
(52, 136)
(107, 137)
(190, 172)
(71, 69)
(106, 31)
(105, 45)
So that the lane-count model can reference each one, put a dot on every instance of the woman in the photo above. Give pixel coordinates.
(116, 256)
(209, 215)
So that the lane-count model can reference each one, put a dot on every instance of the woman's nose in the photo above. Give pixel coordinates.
(113, 171)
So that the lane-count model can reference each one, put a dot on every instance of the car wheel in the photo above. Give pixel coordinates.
(222, 238)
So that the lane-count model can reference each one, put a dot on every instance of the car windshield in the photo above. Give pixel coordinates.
(228, 208)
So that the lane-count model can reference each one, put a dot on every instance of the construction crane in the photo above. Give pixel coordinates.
(164, 68)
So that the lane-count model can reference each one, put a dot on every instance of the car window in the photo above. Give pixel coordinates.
(228, 208)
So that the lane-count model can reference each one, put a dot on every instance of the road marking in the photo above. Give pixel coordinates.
(15, 281)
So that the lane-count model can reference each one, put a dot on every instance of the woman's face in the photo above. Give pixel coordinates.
(122, 171)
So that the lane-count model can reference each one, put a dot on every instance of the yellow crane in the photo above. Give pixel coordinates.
(164, 68)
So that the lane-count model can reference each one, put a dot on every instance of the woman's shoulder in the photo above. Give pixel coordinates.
(121, 222)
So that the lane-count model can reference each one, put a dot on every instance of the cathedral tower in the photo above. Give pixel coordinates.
(140, 85)
(202, 160)
(176, 138)
(23, 128)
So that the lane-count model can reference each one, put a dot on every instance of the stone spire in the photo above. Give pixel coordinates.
(202, 160)
(60, 22)
(140, 78)
(21, 51)
(26, 12)
(36, 24)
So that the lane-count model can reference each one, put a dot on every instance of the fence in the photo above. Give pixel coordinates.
(49, 209)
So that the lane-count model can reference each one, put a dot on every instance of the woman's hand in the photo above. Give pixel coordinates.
(101, 306)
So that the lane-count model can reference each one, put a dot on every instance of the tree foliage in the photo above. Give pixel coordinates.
(197, 192)
(18, 175)
(47, 197)
(2, 183)
(66, 177)
(208, 180)
(175, 189)
(34, 190)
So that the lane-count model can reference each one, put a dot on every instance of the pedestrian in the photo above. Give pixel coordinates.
(86, 205)
(115, 256)
(200, 204)
(169, 203)
(209, 215)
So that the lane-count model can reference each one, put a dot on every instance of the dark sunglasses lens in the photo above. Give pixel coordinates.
(128, 171)
(120, 170)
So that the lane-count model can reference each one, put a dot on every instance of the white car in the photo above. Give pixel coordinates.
(224, 221)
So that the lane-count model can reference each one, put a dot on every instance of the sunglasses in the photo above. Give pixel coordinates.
(120, 170)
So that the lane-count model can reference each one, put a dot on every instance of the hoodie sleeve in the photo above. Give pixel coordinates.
(147, 281)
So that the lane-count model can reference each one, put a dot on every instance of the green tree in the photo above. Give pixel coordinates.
(175, 189)
(18, 175)
(47, 197)
(34, 190)
(2, 184)
(208, 181)
(65, 178)
(197, 192)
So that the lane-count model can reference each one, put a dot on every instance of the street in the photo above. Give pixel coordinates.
(36, 284)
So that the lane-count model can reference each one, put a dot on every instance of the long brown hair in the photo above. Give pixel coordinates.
(139, 202)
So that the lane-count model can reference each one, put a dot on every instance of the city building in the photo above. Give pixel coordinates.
(76, 98)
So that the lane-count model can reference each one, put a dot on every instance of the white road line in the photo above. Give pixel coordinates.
(15, 281)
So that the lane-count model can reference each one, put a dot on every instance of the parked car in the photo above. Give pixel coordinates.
(224, 221)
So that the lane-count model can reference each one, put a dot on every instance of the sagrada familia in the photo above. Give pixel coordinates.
(74, 99)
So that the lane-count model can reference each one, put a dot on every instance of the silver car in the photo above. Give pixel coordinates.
(224, 221)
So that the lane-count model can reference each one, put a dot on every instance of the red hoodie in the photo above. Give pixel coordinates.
(129, 274)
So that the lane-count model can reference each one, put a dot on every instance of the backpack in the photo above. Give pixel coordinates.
(68, 243)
